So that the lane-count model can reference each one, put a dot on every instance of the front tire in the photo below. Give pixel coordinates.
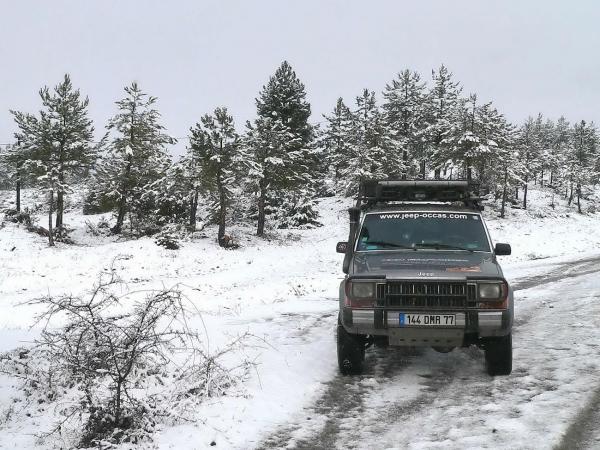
(498, 356)
(350, 351)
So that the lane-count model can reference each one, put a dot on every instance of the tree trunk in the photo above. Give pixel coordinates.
(18, 187)
(517, 192)
(552, 178)
(222, 213)
(578, 198)
(193, 209)
(423, 167)
(437, 174)
(60, 195)
(571, 195)
(504, 193)
(122, 206)
(260, 229)
(542, 179)
(525, 193)
(118, 403)
(60, 205)
(50, 210)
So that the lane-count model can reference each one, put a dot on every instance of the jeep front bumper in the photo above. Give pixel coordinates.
(383, 322)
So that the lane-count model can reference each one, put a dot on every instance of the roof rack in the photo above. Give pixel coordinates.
(382, 191)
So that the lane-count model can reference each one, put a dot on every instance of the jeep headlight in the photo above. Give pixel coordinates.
(490, 291)
(363, 290)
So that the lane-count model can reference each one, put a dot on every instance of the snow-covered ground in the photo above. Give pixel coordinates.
(283, 291)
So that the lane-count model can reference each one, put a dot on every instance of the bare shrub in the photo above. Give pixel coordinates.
(120, 372)
(99, 229)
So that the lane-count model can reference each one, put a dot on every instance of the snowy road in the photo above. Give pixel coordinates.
(423, 399)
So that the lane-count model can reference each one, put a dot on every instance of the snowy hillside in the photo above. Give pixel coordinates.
(281, 291)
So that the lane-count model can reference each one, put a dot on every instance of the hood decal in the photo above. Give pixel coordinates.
(464, 269)
(437, 263)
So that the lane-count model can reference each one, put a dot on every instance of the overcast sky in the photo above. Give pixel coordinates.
(526, 56)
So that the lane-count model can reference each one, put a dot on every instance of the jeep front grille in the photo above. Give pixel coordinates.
(428, 294)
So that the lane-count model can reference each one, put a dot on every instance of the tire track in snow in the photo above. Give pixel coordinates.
(583, 432)
(345, 397)
(563, 270)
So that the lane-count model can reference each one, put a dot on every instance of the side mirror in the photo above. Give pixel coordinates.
(341, 247)
(502, 249)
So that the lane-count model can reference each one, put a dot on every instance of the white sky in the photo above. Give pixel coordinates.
(526, 56)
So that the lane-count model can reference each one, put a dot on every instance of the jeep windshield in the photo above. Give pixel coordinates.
(415, 230)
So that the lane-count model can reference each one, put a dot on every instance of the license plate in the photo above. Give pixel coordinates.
(427, 320)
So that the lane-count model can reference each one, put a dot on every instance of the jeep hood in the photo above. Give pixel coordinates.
(425, 263)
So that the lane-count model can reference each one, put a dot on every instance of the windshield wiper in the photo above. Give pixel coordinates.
(389, 244)
(440, 246)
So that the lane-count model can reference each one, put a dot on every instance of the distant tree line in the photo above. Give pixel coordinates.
(273, 171)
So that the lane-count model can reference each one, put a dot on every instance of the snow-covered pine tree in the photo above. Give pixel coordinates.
(136, 158)
(282, 151)
(336, 140)
(528, 145)
(504, 166)
(494, 134)
(173, 198)
(581, 161)
(216, 148)
(477, 147)
(12, 173)
(58, 144)
(561, 139)
(367, 157)
(6, 167)
(441, 113)
(404, 108)
(189, 185)
(546, 139)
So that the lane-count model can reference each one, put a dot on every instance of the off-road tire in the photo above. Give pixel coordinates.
(350, 351)
(498, 355)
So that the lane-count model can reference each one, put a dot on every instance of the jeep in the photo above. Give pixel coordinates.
(421, 271)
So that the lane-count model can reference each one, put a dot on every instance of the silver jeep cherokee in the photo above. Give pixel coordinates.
(421, 271)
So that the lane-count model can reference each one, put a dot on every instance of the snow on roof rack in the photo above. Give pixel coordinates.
(381, 191)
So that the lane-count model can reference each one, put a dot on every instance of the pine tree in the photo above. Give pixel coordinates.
(581, 160)
(174, 195)
(442, 108)
(58, 144)
(404, 107)
(505, 168)
(529, 151)
(216, 148)
(136, 158)
(477, 147)
(368, 157)
(282, 152)
(546, 139)
(6, 167)
(12, 172)
(561, 138)
(336, 140)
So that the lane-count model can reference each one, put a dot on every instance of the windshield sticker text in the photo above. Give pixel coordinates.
(423, 215)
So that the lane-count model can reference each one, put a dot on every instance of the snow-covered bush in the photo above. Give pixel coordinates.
(168, 238)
